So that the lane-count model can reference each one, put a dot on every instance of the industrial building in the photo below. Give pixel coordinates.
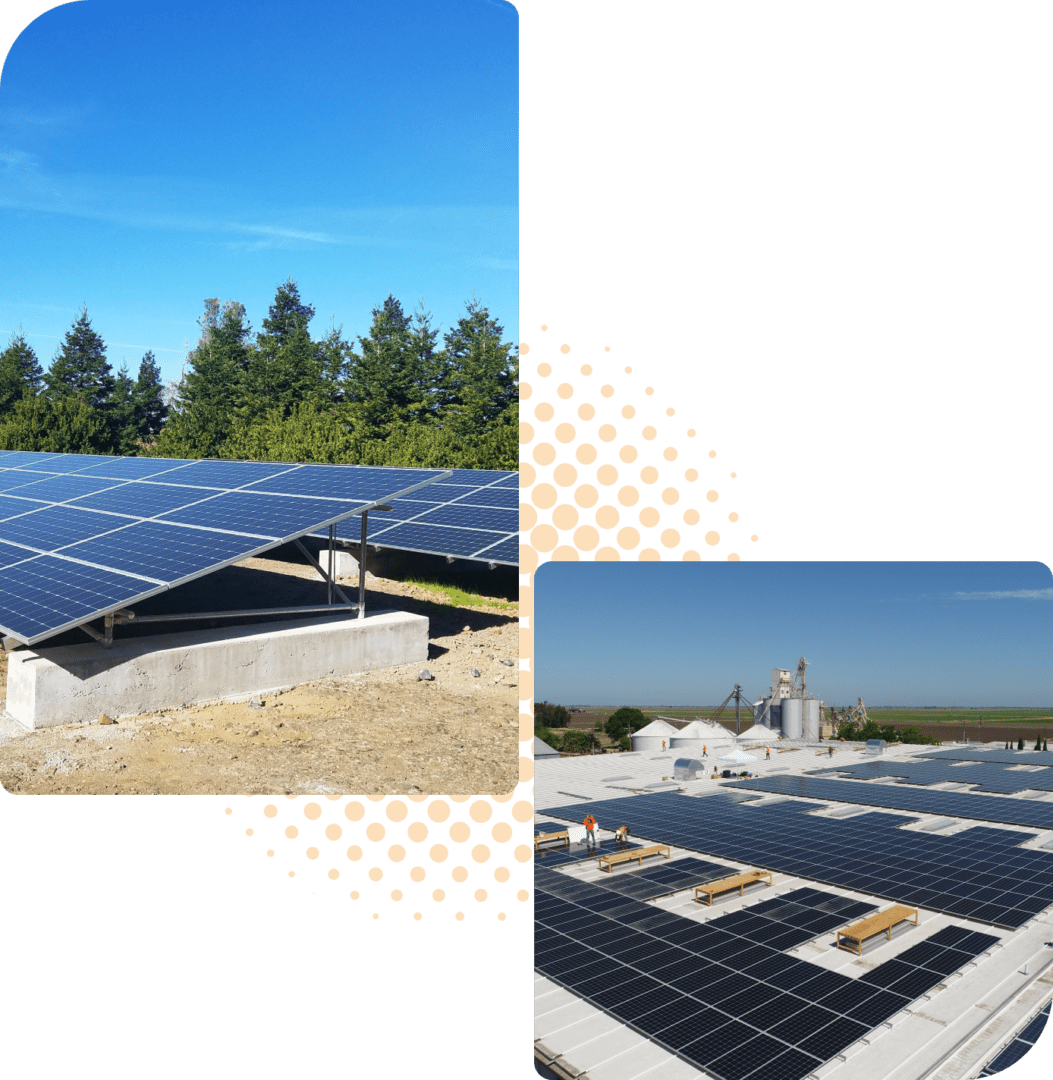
(784, 925)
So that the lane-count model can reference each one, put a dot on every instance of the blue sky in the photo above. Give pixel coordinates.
(152, 155)
(966, 634)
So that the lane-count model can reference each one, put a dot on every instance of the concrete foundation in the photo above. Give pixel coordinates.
(74, 683)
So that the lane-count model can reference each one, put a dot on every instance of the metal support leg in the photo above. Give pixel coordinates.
(332, 560)
(107, 638)
(362, 568)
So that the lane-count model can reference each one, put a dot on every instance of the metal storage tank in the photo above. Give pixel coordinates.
(811, 719)
(652, 736)
(791, 718)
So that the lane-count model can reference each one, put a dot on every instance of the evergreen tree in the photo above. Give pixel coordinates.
(425, 368)
(80, 368)
(120, 415)
(287, 314)
(379, 380)
(19, 372)
(336, 357)
(150, 407)
(68, 425)
(482, 372)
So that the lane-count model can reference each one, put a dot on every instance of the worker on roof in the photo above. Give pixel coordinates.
(590, 831)
(704, 754)
(767, 753)
(621, 834)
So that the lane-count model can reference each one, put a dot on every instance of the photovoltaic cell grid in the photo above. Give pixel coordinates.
(713, 993)
(1004, 757)
(991, 776)
(473, 514)
(1038, 815)
(82, 535)
(1020, 1045)
(979, 873)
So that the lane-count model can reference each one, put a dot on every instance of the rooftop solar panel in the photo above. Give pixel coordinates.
(81, 536)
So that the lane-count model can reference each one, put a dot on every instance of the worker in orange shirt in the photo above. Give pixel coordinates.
(621, 835)
(590, 832)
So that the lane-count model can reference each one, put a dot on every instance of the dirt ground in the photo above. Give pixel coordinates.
(381, 732)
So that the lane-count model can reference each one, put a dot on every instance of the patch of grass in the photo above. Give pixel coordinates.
(459, 596)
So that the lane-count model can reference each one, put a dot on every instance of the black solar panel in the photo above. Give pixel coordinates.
(990, 776)
(81, 536)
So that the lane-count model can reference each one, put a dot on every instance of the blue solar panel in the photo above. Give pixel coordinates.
(461, 516)
(508, 498)
(202, 522)
(435, 539)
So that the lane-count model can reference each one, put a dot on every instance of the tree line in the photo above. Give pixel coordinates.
(618, 727)
(395, 396)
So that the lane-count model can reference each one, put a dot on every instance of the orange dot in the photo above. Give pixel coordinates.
(312, 811)
(607, 475)
(585, 453)
(459, 832)
(396, 894)
(607, 390)
(586, 496)
(544, 412)
(565, 390)
(248, 832)
(628, 496)
(292, 873)
(480, 811)
(522, 895)
(376, 874)
(527, 517)
(586, 369)
(501, 874)
(438, 895)
(523, 811)
(607, 432)
(522, 853)
(669, 453)
(543, 495)
(670, 496)
(417, 873)
(712, 538)
(270, 854)
(628, 371)
(565, 433)
(228, 811)
(649, 433)
(481, 853)
(670, 412)
(544, 327)
(648, 474)
(564, 349)
(544, 453)
(416, 915)
(525, 390)
(754, 536)
(607, 517)
(605, 554)
(586, 538)
(502, 832)
(354, 895)
(292, 832)
(627, 454)
(712, 453)
(501, 916)
(375, 831)
(691, 474)
(628, 538)
(354, 811)
(670, 538)
(565, 516)
(586, 412)
(628, 412)
(333, 875)
(565, 474)
(544, 370)
(563, 554)
(312, 853)
(459, 874)
(544, 538)
(354, 853)
(460, 916)
(690, 432)
(527, 475)
(526, 433)
(649, 517)
(438, 811)
(649, 391)
(270, 810)
(691, 517)
(733, 517)
(712, 496)
(417, 832)
(333, 832)
(733, 475)
(692, 556)
(480, 895)
(524, 348)
(396, 853)
(649, 555)
(733, 558)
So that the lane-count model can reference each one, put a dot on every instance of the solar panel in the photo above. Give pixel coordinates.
(469, 515)
(990, 776)
(1005, 757)
(82, 535)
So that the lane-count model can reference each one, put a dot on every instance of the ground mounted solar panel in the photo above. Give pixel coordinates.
(83, 536)
(980, 873)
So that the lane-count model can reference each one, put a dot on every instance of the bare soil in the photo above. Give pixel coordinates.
(381, 732)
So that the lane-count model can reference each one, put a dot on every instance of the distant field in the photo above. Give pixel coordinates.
(902, 717)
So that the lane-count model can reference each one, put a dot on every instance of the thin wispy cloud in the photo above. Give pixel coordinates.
(1006, 594)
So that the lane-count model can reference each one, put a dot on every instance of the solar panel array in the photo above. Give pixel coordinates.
(82, 535)
(979, 873)
(1020, 1045)
(713, 993)
(1038, 815)
(991, 776)
(1005, 757)
(473, 514)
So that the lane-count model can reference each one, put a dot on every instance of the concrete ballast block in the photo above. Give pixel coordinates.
(74, 683)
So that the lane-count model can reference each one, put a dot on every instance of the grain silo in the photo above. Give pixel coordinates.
(791, 718)
(811, 719)
(656, 736)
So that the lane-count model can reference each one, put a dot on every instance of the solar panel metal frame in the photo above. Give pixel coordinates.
(43, 461)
